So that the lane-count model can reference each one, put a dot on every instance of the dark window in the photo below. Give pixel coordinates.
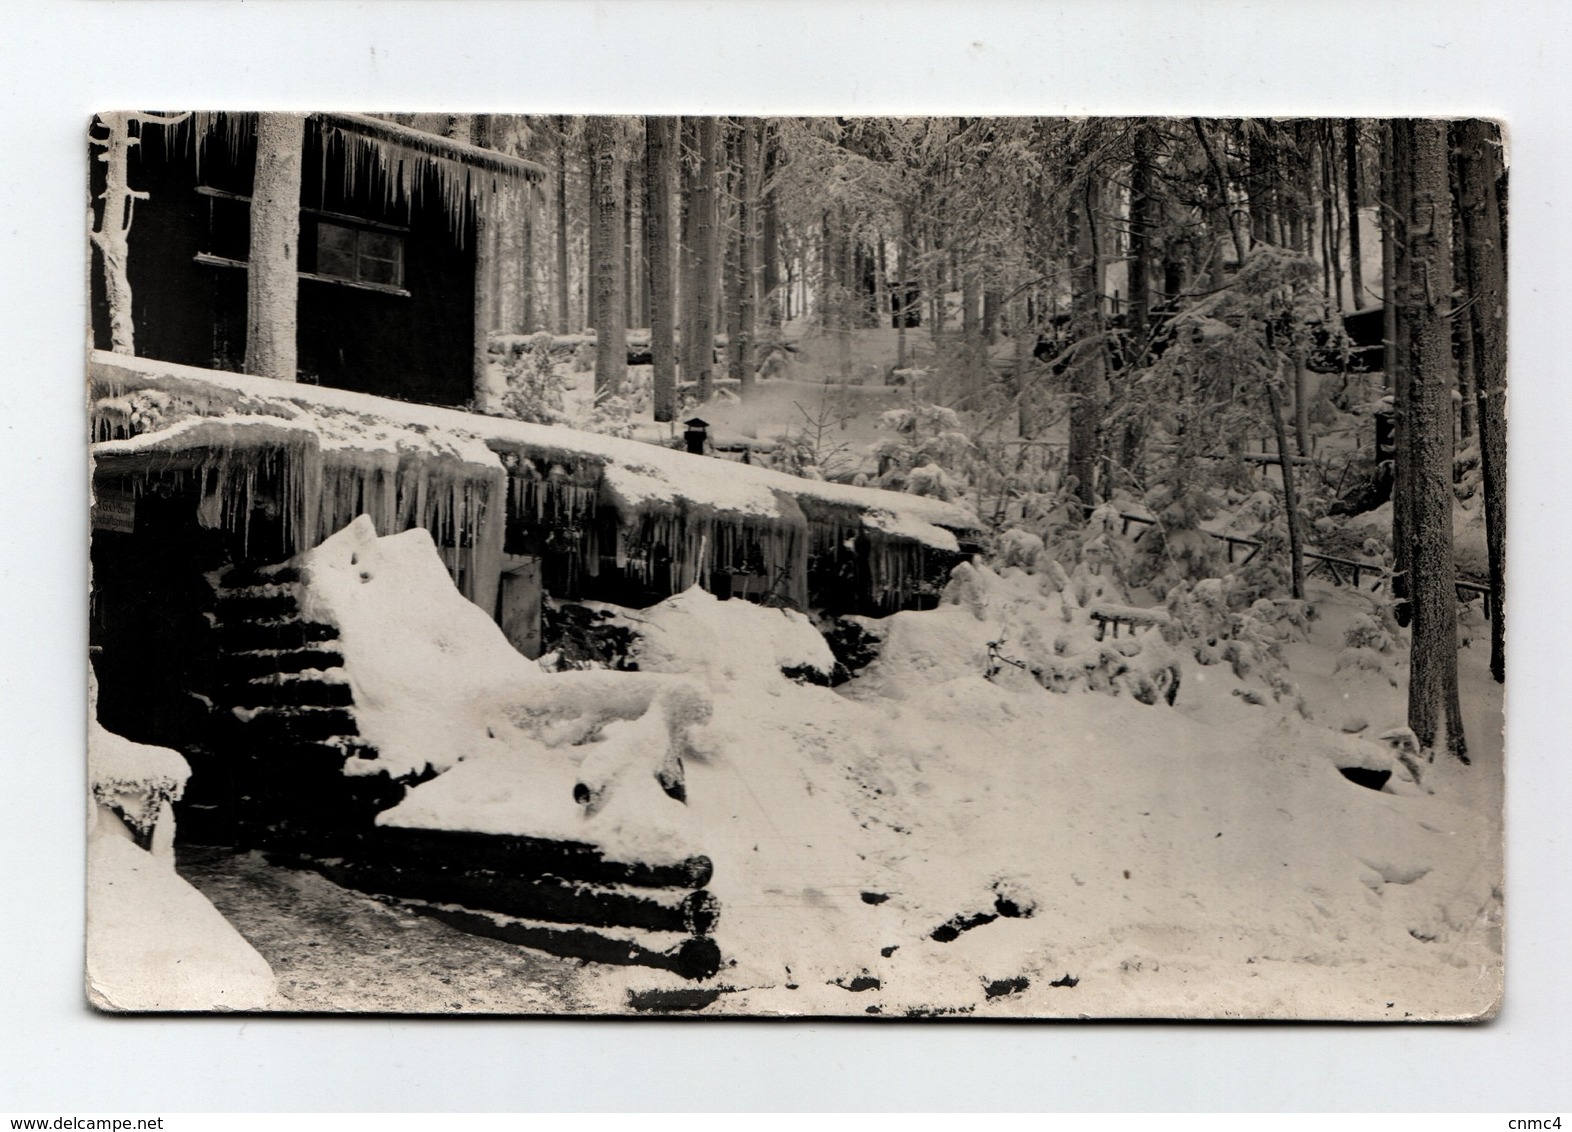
(360, 255)
(228, 225)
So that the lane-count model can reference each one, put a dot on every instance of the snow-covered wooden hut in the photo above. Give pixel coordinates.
(387, 246)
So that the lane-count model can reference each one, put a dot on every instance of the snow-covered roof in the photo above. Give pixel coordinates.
(637, 473)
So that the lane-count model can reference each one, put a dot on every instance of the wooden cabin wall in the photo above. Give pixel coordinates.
(417, 346)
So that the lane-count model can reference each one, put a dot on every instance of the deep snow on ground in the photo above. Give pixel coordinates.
(1075, 852)
(1202, 860)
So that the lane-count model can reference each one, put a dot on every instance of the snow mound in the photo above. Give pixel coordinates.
(594, 757)
(729, 641)
(579, 756)
(156, 943)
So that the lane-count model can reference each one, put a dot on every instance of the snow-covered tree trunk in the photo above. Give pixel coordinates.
(1086, 366)
(731, 267)
(1144, 219)
(903, 292)
(704, 262)
(630, 258)
(769, 237)
(606, 247)
(1462, 327)
(474, 129)
(686, 140)
(527, 322)
(1285, 467)
(747, 209)
(1351, 175)
(1302, 405)
(564, 320)
(1223, 205)
(1400, 141)
(111, 236)
(660, 167)
(273, 283)
(1433, 711)
(1480, 173)
(1388, 262)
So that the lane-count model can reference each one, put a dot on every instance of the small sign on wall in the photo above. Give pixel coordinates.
(114, 511)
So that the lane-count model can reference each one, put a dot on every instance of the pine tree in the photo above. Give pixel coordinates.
(607, 293)
(1480, 175)
(660, 161)
(1434, 714)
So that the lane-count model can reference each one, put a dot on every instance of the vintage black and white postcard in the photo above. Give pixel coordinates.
(994, 567)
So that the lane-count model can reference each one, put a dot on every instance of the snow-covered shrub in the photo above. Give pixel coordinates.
(928, 452)
(932, 480)
(610, 414)
(1365, 632)
(1372, 643)
(1019, 548)
(1206, 619)
(535, 389)
(1021, 635)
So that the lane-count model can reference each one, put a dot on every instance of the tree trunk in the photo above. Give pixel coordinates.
(1388, 264)
(527, 321)
(687, 142)
(1302, 406)
(1433, 711)
(473, 128)
(606, 186)
(563, 319)
(731, 267)
(112, 235)
(848, 294)
(1401, 135)
(1143, 220)
(1331, 271)
(1285, 468)
(1462, 326)
(1086, 367)
(769, 250)
(1220, 193)
(747, 209)
(903, 291)
(273, 280)
(660, 167)
(1481, 177)
(971, 292)
(704, 261)
(1351, 172)
(630, 260)
(1334, 206)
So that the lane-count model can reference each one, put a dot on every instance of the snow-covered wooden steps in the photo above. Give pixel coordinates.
(291, 720)
(565, 898)
(293, 729)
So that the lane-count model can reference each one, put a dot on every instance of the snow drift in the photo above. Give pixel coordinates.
(153, 941)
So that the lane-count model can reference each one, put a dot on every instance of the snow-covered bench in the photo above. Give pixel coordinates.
(1134, 616)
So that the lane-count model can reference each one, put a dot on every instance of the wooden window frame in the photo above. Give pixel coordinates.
(355, 224)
